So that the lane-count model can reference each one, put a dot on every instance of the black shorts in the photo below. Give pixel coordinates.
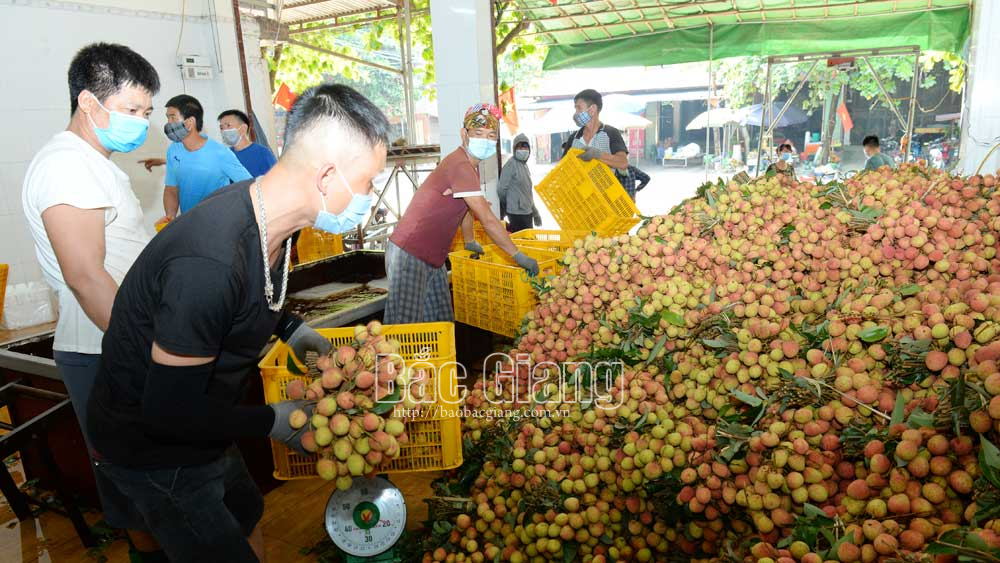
(196, 513)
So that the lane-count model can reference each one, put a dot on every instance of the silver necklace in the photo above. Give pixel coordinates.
(268, 286)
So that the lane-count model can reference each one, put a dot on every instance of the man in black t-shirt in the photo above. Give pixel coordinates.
(192, 316)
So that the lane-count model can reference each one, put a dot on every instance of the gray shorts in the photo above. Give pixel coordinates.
(78, 372)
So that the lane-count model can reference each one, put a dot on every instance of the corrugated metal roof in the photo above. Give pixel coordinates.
(302, 11)
(580, 21)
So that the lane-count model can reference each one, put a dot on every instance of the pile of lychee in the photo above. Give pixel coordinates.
(358, 404)
(794, 350)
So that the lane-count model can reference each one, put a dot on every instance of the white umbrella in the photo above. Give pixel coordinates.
(559, 119)
(715, 118)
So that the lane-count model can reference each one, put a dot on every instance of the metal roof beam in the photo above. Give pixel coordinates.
(337, 24)
(385, 5)
(298, 43)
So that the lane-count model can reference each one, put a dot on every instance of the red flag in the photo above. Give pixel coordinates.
(508, 109)
(284, 97)
(845, 117)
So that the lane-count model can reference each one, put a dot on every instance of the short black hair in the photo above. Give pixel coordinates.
(188, 106)
(870, 141)
(235, 113)
(339, 103)
(591, 97)
(105, 68)
(784, 146)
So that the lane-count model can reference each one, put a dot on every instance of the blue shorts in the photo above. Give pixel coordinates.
(196, 513)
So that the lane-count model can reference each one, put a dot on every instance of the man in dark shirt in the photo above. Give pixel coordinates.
(784, 163)
(192, 316)
(597, 140)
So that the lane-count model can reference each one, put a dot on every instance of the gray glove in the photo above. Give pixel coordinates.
(474, 247)
(590, 154)
(305, 339)
(529, 264)
(282, 431)
(537, 217)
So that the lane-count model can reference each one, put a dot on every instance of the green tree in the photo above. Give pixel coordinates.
(743, 77)
(519, 64)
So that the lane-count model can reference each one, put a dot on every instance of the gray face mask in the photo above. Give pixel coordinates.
(522, 154)
(175, 131)
(231, 137)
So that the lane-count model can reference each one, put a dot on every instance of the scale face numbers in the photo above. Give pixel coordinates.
(366, 519)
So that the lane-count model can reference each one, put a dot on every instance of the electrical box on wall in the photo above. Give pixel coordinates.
(196, 72)
(192, 60)
(194, 67)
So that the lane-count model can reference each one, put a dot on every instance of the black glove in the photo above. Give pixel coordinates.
(536, 217)
(590, 154)
(529, 264)
(305, 339)
(282, 431)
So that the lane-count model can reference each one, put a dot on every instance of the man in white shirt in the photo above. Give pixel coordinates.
(87, 224)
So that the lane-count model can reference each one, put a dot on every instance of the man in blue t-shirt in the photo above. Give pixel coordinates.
(235, 128)
(196, 165)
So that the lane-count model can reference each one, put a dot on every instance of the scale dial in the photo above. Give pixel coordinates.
(366, 519)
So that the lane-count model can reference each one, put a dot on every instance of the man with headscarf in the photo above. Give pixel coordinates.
(450, 197)
(514, 189)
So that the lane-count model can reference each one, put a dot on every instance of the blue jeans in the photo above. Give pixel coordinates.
(196, 513)
(78, 372)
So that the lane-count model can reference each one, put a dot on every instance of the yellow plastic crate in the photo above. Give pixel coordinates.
(458, 243)
(315, 245)
(556, 241)
(493, 292)
(586, 196)
(435, 437)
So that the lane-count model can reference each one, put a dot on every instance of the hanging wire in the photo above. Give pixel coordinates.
(987, 157)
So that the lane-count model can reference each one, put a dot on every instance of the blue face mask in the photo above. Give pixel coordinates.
(482, 148)
(124, 133)
(786, 156)
(347, 219)
(581, 119)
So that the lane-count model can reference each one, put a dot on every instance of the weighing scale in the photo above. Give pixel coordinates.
(367, 520)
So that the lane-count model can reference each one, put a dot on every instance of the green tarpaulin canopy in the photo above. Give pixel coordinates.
(668, 32)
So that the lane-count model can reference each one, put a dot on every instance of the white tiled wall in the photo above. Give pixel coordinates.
(40, 37)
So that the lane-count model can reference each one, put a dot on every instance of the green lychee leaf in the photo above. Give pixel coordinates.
(813, 511)
(387, 403)
(570, 549)
(910, 289)
(920, 418)
(292, 366)
(746, 398)
(873, 334)
(989, 461)
(674, 318)
(657, 348)
(898, 410)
